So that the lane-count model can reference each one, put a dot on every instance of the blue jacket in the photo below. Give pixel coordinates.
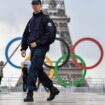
(38, 29)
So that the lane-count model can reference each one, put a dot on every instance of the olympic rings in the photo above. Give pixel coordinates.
(66, 59)
(97, 43)
(19, 67)
(68, 52)
(51, 73)
(62, 82)
(6, 52)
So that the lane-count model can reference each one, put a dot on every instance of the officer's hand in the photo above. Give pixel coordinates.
(23, 53)
(33, 45)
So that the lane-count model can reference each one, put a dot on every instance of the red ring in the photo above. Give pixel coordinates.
(97, 43)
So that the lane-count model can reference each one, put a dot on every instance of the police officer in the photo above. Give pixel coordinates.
(37, 36)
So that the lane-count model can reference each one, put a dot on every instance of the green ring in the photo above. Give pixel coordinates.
(64, 83)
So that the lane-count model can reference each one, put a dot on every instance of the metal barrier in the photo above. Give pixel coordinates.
(96, 85)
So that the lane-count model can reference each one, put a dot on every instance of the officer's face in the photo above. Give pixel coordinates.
(36, 7)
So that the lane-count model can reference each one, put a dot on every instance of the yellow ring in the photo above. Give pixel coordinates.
(51, 73)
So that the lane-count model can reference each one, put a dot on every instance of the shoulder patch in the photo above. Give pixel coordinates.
(49, 24)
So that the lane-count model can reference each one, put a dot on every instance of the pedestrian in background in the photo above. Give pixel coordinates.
(1, 70)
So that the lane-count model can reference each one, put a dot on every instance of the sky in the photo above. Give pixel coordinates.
(87, 20)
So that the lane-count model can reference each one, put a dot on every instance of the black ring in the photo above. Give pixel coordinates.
(67, 58)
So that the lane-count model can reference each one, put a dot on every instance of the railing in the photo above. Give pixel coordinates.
(95, 86)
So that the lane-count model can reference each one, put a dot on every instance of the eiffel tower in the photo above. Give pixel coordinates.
(56, 10)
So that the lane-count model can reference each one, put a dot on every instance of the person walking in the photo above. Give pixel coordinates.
(25, 77)
(39, 34)
(1, 70)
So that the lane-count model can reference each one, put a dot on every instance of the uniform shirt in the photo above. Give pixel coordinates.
(39, 29)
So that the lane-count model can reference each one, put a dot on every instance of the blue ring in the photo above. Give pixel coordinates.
(7, 50)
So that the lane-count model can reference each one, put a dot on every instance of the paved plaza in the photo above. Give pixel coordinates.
(64, 98)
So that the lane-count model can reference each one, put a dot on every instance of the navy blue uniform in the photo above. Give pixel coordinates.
(39, 29)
